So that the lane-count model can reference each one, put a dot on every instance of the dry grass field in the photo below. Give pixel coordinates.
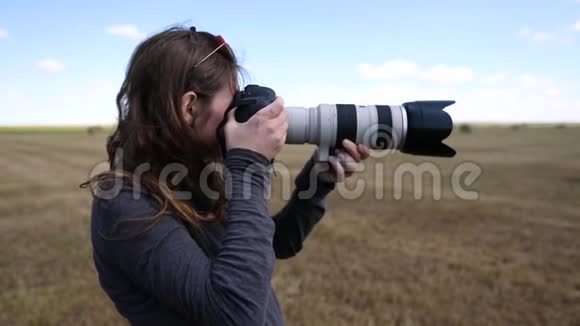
(510, 257)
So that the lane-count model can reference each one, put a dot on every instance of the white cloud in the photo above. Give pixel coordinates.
(398, 69)
(528, 80)
(513, 105)
(577, 25)
(12, 93)
(539, 84)
(389, 70)
(50, 65)
(125, 30)
(561, 37)
(552, 92)
(3, 33)
(536, 36)
(388, 93)
(448, 75)
(9, 93)
(542, 36)
(495, 77)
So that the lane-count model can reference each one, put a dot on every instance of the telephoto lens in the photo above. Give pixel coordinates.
(414, 128)
(417, 128)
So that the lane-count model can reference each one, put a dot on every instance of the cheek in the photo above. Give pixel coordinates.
(211, 124)
(217, 116)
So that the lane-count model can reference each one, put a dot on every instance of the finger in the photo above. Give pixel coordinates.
(364, 151)
(273, 109)
(281, 120)
(230, 115)
(325, 172)
(348, 163)
(279, 128)
(282, 134)
(352, 150)
(337, 167)
(314, 154)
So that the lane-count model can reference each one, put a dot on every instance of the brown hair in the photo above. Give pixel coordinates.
(151, 128)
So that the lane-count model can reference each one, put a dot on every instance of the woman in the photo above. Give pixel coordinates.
(201, 260)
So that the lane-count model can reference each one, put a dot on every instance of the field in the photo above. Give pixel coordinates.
(509, 257)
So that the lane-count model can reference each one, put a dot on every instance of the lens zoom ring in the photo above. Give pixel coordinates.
(385, 121)
(346, 123)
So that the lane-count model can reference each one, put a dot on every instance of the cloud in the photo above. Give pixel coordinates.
(539, 84)
(512, 105)
(495, 77)
(125, 30)
(448, 75)
(387, 93)
(389, 70)
(398, 69)
(561, 37)
(536, 36)
(528, 80)
(50, 65)
(3, 34)
(9, 93)
(576, 26)
(552, 92)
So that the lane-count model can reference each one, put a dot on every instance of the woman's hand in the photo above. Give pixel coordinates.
(345, 161)
(265, 132)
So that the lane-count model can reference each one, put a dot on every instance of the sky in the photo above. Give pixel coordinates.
(62, 62)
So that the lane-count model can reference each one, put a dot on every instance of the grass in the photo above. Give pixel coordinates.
(510, 257)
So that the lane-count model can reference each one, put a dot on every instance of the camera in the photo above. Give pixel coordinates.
(416, 128)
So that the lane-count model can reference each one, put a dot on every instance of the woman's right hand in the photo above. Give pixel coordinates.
(265, 132)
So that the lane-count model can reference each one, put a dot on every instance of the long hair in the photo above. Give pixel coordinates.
(151, 129)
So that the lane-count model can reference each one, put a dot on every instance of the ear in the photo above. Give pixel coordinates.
(188, 106)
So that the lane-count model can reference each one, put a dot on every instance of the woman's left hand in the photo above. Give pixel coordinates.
(345, 161)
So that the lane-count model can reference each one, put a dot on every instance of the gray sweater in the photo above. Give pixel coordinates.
(171, 276)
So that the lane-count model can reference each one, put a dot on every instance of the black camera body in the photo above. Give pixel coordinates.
(248, 101)
(251, 100)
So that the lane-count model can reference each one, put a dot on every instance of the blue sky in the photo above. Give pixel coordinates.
(61, 62)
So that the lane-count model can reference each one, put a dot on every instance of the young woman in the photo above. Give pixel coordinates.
(202, 260)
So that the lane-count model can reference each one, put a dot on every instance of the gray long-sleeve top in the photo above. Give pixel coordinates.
(166, 276)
